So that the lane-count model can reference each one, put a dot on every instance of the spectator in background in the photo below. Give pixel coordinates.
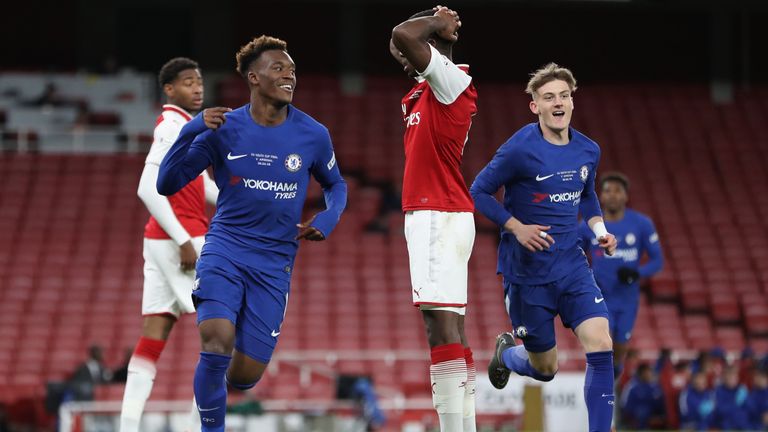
(757, 402)
(747, 365)
(88, 375)
(708, 365)
(673, 385)
(642, 402)
(697, 404)
(731, 402)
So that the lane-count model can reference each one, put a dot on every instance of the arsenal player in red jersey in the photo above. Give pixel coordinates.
(439, 226)
(173, 238)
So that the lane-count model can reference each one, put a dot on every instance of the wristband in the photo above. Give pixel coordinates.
(599, 229)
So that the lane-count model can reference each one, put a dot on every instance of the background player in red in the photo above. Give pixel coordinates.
(173, 238)
(439, 226)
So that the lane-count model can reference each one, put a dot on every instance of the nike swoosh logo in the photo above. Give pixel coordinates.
(540, 178)
(230, 157)
(204, 410)
(598, 300)
(275, 334)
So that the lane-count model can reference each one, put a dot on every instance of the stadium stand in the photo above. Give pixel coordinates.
(71, 265)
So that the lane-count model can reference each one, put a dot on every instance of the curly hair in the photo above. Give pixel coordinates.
(173, 67)
(549, 73)
(615, 177)
(251, 51)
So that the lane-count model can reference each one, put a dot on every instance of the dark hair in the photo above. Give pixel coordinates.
(422, 14)
(251, 51)
(173, 67)
(615, 177)
(642, 368)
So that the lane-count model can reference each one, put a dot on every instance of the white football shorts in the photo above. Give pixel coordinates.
(439, 247)
(167, 289)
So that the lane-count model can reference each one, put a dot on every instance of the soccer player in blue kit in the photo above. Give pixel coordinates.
(618, 276)
(262, 156)
(548, 171)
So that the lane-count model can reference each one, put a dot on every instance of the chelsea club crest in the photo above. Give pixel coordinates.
(293, 162)
(584, 173)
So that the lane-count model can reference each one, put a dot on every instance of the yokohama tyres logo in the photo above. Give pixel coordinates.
(558, 197)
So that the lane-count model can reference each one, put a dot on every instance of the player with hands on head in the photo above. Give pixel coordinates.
(439, 224)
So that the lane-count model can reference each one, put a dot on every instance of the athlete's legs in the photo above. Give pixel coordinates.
(469, 390)
(448, 371)
(244, 372)
(142, 369)
(160, 307)
(622, 323)
(217, 337)
(533, 308)
(594, 336)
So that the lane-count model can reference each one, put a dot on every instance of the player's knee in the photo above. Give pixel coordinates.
(243, 380)
(213, 342)
(598, 343)
(546, 371)
(245, 384)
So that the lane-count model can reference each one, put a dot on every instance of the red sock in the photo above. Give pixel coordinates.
(448, 352)
(149, 349)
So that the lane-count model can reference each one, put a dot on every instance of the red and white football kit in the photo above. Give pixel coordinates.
(173, 221)
(439, 226)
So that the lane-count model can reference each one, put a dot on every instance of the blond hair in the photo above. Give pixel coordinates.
(550, 72)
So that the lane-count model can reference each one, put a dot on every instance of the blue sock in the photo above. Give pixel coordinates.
(598, 390)
(516, 359)
(211, 391)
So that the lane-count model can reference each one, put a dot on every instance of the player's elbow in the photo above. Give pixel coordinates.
(476, 191)
(401, 36)
(164, 187)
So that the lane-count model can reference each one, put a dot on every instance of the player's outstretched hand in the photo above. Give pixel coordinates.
(214, 117)
(452, 23)
(188, 256)
(533, 237)
(309, 232)
(609, 243)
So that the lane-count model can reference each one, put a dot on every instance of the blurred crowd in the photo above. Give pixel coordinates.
(711, 392)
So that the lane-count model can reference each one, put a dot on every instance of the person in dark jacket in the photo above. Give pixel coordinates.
(731, 402)
(642, 402)
(697, 404)
(757, 402)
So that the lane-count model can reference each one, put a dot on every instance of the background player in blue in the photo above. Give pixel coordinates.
(263, 155)
(548, 170)
(618, 276)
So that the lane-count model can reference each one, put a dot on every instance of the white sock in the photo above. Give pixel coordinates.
(194, 418)
(138, 386)
(449, 380)
(469, 400)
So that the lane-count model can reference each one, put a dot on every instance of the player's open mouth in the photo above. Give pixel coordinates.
(558, 113)
(287, 87)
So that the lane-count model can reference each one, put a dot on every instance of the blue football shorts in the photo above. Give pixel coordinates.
(622, 317)
(575, 297)
(254, 301)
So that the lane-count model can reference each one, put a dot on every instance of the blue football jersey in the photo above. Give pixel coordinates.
(262, 174)
(544, 184)
(635, 235)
